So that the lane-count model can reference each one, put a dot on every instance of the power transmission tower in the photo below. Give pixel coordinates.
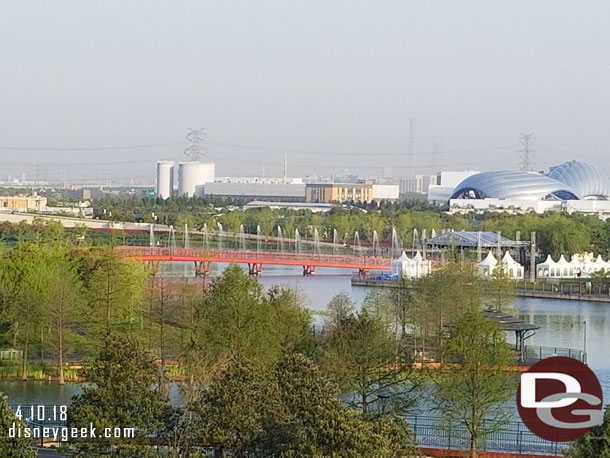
(526, 153)
(196, 151)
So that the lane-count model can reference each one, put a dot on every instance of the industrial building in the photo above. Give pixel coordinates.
(165, 179)
(291, 191)
(193, 175)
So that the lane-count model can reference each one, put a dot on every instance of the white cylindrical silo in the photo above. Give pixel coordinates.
(192, 176)
(165, 179)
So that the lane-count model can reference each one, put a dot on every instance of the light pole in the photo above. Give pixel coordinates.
(584, 347)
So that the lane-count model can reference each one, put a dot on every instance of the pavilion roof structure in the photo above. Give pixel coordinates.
(470, 239)
(508, 322)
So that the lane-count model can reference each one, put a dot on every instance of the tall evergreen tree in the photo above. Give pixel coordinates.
(17, 447)
(124, 393)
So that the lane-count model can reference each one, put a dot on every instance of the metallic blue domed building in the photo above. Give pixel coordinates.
(586, 180)
(572, 180)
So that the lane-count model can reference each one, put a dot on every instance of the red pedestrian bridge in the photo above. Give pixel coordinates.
(254, 259)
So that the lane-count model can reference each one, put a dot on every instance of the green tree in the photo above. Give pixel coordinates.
(234, 410)
(340, 307)
(114, 291)
(18, 447)
(500, 288)
(235, 320)
(392, 306)
(362, 358)
(559, 234)
(291, 412)
(293, 320)
(27, 265)
(62, 306)
(596, 443)
(439, 299)
(123, 393)
(477, 380)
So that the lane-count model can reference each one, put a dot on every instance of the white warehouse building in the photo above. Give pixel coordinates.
(258, 190)
(385, 192)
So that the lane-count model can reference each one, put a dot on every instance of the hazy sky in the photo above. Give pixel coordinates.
(310, 78)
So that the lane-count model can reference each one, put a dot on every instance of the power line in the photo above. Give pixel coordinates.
(353, 154)
(247, 146)
(352, 166)
(88, 148)
(75, 164)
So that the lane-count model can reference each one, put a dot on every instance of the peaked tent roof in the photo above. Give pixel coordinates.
(508, 259)
(548, 261)
(575, 261)
(402, 259)
(490, 260)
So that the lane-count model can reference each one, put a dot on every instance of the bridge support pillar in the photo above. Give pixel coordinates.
(202, 268)
(255, 268)
(309, 270)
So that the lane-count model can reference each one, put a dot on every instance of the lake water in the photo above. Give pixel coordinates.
(561, 324)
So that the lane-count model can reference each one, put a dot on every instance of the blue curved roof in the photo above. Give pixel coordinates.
(586, 180)
(513, 185)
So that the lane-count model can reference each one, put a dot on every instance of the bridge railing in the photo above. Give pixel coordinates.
(511, 437)
(535, 353)
(252, 255)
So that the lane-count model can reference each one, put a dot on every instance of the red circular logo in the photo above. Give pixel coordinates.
(560, 399)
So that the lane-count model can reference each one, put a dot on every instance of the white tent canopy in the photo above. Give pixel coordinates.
(415, 267)
(600, 264)
(546, 269)
(401, 264)
(487, 265)
(578, 266)
(511, 267)
(562, 268)
(588, 266)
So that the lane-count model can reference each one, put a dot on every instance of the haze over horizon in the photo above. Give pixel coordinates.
(332, 84)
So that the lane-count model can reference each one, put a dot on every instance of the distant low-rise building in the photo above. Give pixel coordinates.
(313, 207)
(386, 192)
(23, 203)
(257, 190)
(338, 192)
(417, 184)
